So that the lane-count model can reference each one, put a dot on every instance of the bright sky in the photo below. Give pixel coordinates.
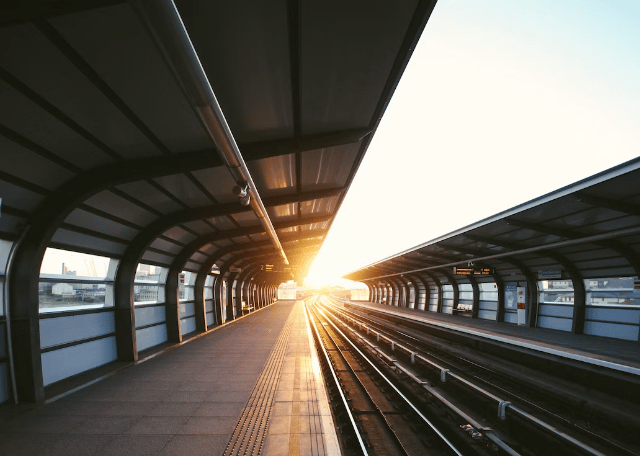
(502, 102)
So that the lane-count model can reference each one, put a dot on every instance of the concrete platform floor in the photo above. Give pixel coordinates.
(191, 399)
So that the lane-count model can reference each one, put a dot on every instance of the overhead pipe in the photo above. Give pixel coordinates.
(162, 19)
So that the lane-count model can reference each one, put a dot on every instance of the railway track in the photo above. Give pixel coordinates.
(376, 417)
(486, 403)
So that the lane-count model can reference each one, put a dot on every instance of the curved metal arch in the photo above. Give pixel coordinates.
(427, 292)
(438, 283)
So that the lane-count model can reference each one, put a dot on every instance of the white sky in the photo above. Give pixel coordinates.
(502, 102)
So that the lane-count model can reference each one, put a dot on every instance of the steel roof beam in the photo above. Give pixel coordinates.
(619, 206)
(167, 29)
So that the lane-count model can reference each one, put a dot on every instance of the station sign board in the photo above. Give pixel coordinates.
(472, 270)
(550, 274)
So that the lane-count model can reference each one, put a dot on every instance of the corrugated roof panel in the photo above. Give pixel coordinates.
(275, 175)
(27, 119)
(131, 65)
(29, 166)
(218, 182)
(154, 257)
(94, 222)
(341, 80)
(18, 197)
(222, 223)
(110, 203)
(184, 189)
(179, 234)
(166, 246)
(246, 219)
(73, 239)
(284, 212)
(319, 206)
(328, 168)
(151, 196)
(247, 62)
(33, 59)
(199, 226)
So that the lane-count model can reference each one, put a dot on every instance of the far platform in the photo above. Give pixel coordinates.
(619, 355)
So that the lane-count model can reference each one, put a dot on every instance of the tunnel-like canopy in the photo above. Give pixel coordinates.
(587, 230)
(108, 148)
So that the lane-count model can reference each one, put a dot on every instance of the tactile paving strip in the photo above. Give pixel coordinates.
(248, 436)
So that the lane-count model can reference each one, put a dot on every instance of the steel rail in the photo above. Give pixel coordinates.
(337, 383)
(390, 383)
(162, 19)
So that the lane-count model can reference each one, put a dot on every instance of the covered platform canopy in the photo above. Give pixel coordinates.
(587, 230)
(112, 142)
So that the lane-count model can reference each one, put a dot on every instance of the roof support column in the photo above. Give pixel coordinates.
(427, 292)
(199, 306)
(24, 312)
(124, 311)
(475, 307)
(391, 299)
(500, 286)
(172, 306)
(370, 291)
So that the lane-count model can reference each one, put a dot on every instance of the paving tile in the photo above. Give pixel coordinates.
(157, 425)
(174, 409)
(279, 424)
(208, 425)
(135, 445)
(105, 425)
(195, 445)
(24, 444)
(77, 445)
(228, 396)
(276, 445)
(41, 424)
(187, 396)
(88, 408)
(130, 409)
(281, 408)
(220, 409)
(199, 386)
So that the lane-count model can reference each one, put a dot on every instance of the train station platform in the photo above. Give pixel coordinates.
(619, 355)
(251, 386)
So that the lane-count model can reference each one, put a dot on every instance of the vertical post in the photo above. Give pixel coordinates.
(475, 308)
(124, 310)
(199, 301)
(172, 305)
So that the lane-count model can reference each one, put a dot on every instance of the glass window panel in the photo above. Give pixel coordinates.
(64, 263)
(5, 249)
(466, 295)
(148, 294)
(465, 287)
(67, 296)
(617, 291)
(488, 296)
(189, 277)
(208, 281)
(146, 273)
(555, 291)
(186, 294)
(1, 296)
(208, 293)
(488, 286)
